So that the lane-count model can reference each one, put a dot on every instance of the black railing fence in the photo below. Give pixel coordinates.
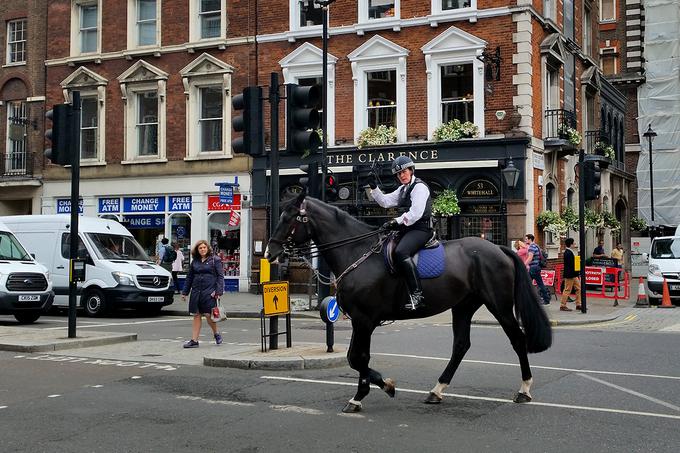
(16, 164)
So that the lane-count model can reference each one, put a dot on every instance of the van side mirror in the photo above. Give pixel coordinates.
(645, 257)
(33, 255)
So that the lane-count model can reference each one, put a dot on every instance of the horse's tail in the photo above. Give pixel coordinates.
(536, 324)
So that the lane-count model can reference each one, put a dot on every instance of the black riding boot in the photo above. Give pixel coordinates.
(410, 273)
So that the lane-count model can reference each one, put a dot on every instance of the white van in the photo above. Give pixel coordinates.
(119, 273)
(663, 262)
(25, 286)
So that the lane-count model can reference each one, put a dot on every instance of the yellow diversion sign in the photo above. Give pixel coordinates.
(275, 298)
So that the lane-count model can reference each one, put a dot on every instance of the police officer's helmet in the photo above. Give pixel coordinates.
(402, 163)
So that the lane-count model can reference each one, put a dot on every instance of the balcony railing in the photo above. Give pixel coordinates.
(557, 121)
(16, 164)
(594, 137)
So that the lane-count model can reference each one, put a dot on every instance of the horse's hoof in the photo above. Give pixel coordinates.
(433, 398)
(351, 408)
(522, 398)
(390, 387)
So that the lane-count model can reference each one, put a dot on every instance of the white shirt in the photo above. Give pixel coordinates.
(177, 264)
(419, 196)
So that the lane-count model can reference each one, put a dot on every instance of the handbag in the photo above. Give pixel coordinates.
(218, 313)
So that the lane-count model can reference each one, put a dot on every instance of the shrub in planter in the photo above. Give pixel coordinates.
(603, 149)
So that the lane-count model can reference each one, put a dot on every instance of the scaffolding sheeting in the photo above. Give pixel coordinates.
(659, 105)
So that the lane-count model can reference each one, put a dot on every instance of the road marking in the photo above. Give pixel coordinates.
(296, 409)
(632, 392)
(673, 328)
(96, 386)
(106, 362)
(485, 398)
(135, 323)
(209, 401)
(135, 377)
(3, 407)
(53, 396)
(553, 368)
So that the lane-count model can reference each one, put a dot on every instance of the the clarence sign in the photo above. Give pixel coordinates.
(357, 158)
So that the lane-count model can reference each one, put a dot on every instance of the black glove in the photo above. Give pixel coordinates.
(372, 181)
(390, 225)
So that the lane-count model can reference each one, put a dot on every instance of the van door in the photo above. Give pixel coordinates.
(60, 279)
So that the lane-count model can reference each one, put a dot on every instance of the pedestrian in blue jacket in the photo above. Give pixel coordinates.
(205, 281)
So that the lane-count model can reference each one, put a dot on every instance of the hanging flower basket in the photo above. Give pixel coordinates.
(551, 222)
(445, 204)
(570, 217)
(375, 136)
(610, 221)
(593, 219)
(603, 149)
(637, 224)
(455, 130)
(570, 134)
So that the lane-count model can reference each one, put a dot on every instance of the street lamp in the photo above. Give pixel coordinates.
(511, 174)
(650, 134)
(324, 91)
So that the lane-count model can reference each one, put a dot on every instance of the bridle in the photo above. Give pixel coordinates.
(290, 248)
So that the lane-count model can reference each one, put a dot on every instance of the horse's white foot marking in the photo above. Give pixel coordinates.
(439, 389)
(526, 387)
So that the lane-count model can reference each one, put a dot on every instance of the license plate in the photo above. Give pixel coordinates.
(674, 287)
(29, 298)
(156, 299)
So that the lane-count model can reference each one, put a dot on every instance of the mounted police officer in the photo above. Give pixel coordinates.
(414, 224)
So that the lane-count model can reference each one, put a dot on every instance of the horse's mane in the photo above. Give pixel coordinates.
(342, 218)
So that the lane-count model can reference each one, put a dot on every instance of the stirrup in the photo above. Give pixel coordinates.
(416, 300)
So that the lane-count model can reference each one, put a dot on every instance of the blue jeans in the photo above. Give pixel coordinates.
(535, 273)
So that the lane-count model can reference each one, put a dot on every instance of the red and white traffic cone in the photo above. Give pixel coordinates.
(642, 301)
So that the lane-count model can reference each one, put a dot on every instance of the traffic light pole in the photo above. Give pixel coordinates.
(274, 100)
(582, 226)
(75, 207)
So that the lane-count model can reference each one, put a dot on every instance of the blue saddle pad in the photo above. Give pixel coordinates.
(430, 262)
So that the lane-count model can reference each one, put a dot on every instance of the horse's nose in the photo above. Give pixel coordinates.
(266, 253)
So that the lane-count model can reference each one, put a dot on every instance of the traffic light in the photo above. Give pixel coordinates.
(591, 179)
(331, 188)
(250, 122)
(302, 118)
(59, 136)
(311, 180)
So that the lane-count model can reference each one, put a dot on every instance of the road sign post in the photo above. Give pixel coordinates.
(275, 302)
(330, 312)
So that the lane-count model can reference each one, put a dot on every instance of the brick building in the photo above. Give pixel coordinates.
(415, 65)
(155, 79)
(22, 96)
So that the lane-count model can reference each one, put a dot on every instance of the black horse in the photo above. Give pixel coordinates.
(477, 273)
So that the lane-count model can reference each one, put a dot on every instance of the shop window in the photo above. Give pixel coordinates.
(225, 240)
(457, 98)
(381, 95)
(180, 234)
(17, 33)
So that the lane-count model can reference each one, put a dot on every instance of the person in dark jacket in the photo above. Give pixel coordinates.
(205, 281)
(571, 277)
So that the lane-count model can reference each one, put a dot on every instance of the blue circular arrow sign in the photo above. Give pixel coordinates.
(329, 310)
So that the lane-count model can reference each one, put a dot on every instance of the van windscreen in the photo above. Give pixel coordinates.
(666, 248)
(11, 249)
(117, 247)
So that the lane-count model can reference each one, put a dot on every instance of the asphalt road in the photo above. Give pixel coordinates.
(604, 388)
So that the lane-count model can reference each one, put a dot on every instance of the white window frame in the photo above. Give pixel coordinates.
(608, 19)
(16, 150)
(195, 22)
(363, 13)
(85, 95)
(131, 84)
(138, 122)
(453, 46)
(436, 8)
(133, 26)
(294, 17)
(304, 62)
(76, 43)
(587, 30)
(23, 42)
(364, 60)
(550, 90)
(90, 83)
(205, 71)
(550, 10)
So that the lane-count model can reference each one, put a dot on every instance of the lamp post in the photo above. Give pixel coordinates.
(510, 177)
(650, 134)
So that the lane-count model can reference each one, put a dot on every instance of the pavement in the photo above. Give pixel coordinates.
(245, 305)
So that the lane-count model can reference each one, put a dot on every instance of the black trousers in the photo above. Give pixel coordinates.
(175, 280)
(411, 241)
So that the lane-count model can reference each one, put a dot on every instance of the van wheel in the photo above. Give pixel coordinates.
(94, 303)
(27, 317)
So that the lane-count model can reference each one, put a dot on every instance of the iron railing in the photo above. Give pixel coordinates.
(16, 164)
(557, 123)
(595, 140)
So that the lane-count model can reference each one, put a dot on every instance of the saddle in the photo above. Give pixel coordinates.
(429, 260)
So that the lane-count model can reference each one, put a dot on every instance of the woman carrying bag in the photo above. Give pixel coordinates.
(205, 281)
